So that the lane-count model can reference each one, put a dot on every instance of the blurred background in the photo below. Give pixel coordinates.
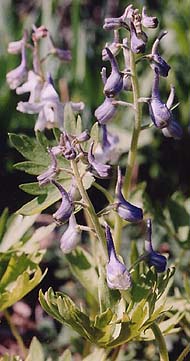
(163, 162)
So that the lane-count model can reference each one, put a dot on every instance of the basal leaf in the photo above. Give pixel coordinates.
(23, 285)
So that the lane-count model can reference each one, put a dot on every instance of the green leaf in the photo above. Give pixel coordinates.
(103, 319)
(66, 356)
(35, 351)
(33, 188)
(43, 201)
(82, 266)
(15, 231)
(69, 119)
(23, 285)
(30, 167)
(29, 148)
(3, 220)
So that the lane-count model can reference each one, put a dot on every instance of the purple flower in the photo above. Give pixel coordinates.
(107, 151)
(127, 84)
(153, 258)
(64, 55)
(71, 237)
(118, 277)
(173, 130)
(126, 210)
(49, 174)
(67, 149)
(156, 61)
(18, 75)
(137, 43)
(114, 82)
(15, 47)
(116, 23)
(66, 208)
(33, 85)
(159, 112)
(114, 47)
(148, 21)
(105, 111)
(97, 169)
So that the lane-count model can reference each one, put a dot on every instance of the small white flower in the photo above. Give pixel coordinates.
(33, 85)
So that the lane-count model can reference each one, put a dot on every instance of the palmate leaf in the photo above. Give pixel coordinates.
(38, 161)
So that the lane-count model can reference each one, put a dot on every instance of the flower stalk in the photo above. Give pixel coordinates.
(161, 342)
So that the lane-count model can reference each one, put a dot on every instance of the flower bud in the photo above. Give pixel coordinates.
(148, 21)
(71, 237)
(118, 277)
(114, 83)
(153, 258)
(66, 208)
(126, 210)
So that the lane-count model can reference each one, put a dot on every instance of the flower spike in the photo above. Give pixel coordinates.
(118, 277)
(126, 210)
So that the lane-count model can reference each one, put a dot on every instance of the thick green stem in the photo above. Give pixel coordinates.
(15, 333)
(137, 127)
(90, 209)
(161, 342)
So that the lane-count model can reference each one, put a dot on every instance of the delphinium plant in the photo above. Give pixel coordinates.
(125, 295)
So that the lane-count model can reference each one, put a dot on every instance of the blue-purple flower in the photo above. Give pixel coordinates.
(96, 168)
(148, 21)
(137, 43)
(105, 111)
(156, 61)
(47, 176)
(118, 277)
(126, 210)
(114, 46)
(116, 23)
(107, 152)
(66, 208)
(71, 237)
(114, 82)
(159, 112)
(153, 258)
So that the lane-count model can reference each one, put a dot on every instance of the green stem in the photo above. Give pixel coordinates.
(137, 127)
(161, 342)
(184, 353)
(90, 209)
(15, 333)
